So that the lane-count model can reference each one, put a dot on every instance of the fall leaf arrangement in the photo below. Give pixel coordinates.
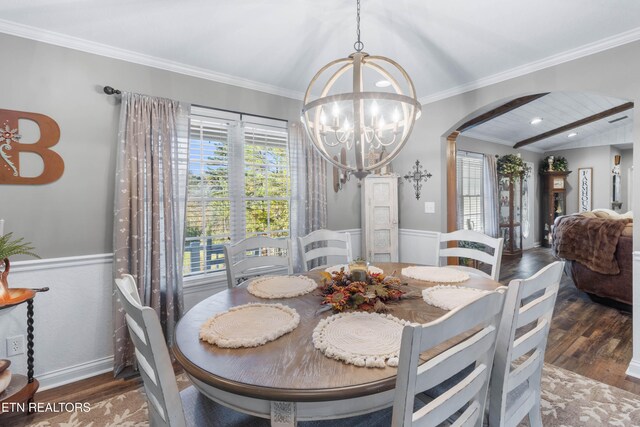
(342, 293)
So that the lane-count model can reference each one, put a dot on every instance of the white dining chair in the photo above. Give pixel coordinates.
(477, 325)
(517, 367)
(475, 238)
(167, 406)
(461, 403)
(254, 256)
(329, 246)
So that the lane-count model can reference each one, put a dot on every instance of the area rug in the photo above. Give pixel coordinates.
(568, 400)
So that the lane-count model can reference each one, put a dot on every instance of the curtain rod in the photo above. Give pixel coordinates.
(240, 113)
(111, 91)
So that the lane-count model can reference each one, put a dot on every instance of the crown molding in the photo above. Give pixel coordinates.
(54, 38)
(550, 61)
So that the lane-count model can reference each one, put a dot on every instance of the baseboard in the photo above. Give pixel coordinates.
(634, 368)
(75, 373)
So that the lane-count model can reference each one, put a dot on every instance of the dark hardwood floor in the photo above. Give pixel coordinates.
(588, 338)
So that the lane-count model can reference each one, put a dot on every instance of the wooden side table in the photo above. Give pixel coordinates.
(22, 388)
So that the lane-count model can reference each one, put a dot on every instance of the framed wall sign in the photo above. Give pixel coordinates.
(585, 191)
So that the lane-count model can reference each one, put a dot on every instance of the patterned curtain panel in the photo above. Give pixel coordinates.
(150, 191)
(490, 190)
(308, 187)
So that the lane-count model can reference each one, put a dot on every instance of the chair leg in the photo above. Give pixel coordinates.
(535, 417)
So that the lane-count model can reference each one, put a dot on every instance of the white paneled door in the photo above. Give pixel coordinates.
(380, 218)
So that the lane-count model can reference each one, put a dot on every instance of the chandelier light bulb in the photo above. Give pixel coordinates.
(374, 109)
(396, 115)
(336, 110)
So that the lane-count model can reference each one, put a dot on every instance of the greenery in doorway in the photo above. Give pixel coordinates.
(512, 164)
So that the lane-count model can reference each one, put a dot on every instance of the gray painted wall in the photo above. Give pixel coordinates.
(598, 158)
(612, 72)
(73, 216)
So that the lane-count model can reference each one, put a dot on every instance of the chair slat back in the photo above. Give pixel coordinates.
(522, 341)
(165, 406)
(477, 325)
(329, 246)
(494, 259)
(271, 253)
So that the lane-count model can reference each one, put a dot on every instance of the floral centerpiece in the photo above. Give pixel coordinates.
(342, 292)
(512, 164)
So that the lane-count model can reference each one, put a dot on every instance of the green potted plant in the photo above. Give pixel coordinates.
(8, 248)
(554, 163)
(513, 165)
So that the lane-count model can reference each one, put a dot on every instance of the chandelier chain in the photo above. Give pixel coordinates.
(358, 45)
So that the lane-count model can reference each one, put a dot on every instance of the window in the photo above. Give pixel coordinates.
(238, 184)
(470, 197)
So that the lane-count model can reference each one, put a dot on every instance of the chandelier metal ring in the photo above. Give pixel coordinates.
(366, 104)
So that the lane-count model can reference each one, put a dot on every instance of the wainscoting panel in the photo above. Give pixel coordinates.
(418, 246)
(72, 321)
(356, 241)
(634, 365)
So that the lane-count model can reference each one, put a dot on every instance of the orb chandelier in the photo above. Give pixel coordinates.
(366, 104)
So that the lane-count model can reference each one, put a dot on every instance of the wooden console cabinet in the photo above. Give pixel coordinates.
(553, 202)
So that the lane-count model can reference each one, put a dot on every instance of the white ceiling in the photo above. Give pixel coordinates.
(277, 46)
(558, 109)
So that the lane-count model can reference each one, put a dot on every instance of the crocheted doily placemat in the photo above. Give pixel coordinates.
(435, 274)
(249, 325)
(360, 338)
(281, 286)
(450, 297)
(336, 269)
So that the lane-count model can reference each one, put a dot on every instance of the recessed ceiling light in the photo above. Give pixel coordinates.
(383, 83)
(572, 134)
(535, 120)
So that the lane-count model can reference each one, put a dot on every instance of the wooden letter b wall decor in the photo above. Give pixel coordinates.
(11, 147)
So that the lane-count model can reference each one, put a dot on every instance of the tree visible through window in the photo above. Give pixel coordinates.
(238, 184)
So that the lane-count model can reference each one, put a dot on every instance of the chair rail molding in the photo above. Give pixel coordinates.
(634, 365)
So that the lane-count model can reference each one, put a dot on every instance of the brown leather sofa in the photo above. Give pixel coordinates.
(618, 287)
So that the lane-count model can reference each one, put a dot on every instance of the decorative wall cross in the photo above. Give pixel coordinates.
(417, 176)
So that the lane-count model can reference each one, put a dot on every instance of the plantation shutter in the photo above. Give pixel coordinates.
(470, 190)
(238, 184)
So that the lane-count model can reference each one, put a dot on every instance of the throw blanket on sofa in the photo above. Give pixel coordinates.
(590, 241)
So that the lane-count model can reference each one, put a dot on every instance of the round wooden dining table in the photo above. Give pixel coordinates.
(288, 379)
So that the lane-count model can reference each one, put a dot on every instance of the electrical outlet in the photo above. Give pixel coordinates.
(15, 345)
